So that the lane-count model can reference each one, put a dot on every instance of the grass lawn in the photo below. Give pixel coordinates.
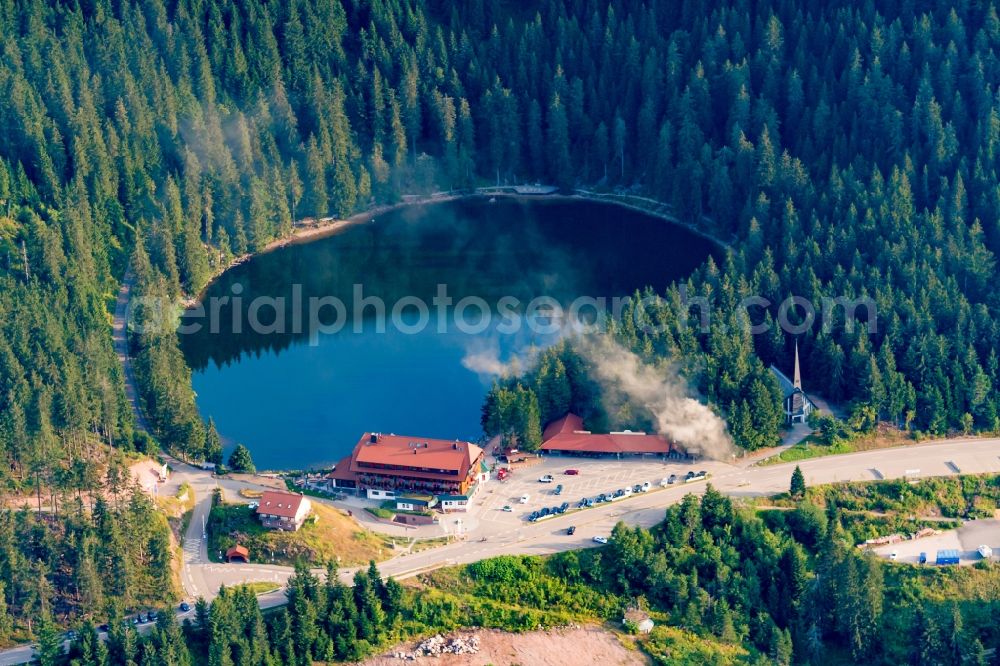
(329, 534)
(812, 446)
(260, 587)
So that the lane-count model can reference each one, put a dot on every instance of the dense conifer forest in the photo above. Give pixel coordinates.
(842, 150)
(729, 585)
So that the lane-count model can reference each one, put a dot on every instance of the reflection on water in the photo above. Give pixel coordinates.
(298, 402)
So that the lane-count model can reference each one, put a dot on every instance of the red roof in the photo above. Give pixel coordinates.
(567, 424)
(567, 434)
(279, 503)
(342, 470)
(419, 458)
(238, 551)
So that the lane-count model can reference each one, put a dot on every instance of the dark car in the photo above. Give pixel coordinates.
(923, 558)
(152, 616)
(543, 512)
(571, 530)
(103, 628)
(533, 516)
(558, 490)
(564, 506)
(689, 475)
(582, 503)
(672, 478)
(572, 472)
(185, 607)
(637, 488)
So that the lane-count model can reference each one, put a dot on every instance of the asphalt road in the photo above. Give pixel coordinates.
(200, 577)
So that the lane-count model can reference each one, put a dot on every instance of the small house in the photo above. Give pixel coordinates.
(412, 503)
(238, 553)
(453, 503)
(280, 510)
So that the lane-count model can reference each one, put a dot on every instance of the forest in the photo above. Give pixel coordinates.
(728, 586)
(840, 149)
(861, 163)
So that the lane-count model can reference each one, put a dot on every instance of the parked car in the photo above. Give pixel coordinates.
(546, 479)
(637, 488)
(558, 490)
(185, 607)
(507, 508)
(152, 616)
(71, 635)
(923, 558)
(894, 555)
(582, 503)
(689, 476)
(672, 478)
(544, 512)
(533, 517)
(627, 492)
(572, 472)
(253, 506)
(563, 507)
(645, 487)
(103, 628)
(600, 539)
(524, 499)
(571, 530)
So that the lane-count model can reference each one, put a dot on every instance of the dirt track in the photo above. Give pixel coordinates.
(557, 647)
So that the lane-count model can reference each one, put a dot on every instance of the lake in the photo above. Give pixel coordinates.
(401, 324)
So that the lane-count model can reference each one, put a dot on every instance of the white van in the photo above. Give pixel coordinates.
(524, 499)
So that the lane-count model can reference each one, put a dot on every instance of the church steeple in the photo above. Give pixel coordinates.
(797, 377)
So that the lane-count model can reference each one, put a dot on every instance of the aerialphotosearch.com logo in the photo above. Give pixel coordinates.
(317, 316)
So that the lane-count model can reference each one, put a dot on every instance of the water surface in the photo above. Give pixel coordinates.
(299, 399)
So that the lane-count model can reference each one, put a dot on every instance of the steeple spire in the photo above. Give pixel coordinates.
(797, 378)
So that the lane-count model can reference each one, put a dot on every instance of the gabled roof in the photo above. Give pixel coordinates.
(787, 386)
(567, 434)
(415, 457)
(567, 424)
(280, 503)
(342, 471)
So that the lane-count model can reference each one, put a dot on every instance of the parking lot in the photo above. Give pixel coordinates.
(595, 476)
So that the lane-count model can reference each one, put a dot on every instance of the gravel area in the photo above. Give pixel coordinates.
(556, 647)
(966, 539)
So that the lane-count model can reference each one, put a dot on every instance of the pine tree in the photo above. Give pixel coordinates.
(798, 486)
(213, 444)
(241, 461)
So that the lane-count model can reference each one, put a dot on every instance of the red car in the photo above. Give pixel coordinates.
(572, 472)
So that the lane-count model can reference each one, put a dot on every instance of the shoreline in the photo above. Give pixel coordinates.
(308, 230)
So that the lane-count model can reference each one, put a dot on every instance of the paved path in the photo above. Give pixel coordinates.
(946, 458)
(119, 336)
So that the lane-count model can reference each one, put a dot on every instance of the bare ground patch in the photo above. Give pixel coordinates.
(555, 647)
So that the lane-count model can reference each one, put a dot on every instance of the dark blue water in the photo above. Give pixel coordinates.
(301, 397)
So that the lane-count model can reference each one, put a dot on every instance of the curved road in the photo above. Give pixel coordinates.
(202, 578)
